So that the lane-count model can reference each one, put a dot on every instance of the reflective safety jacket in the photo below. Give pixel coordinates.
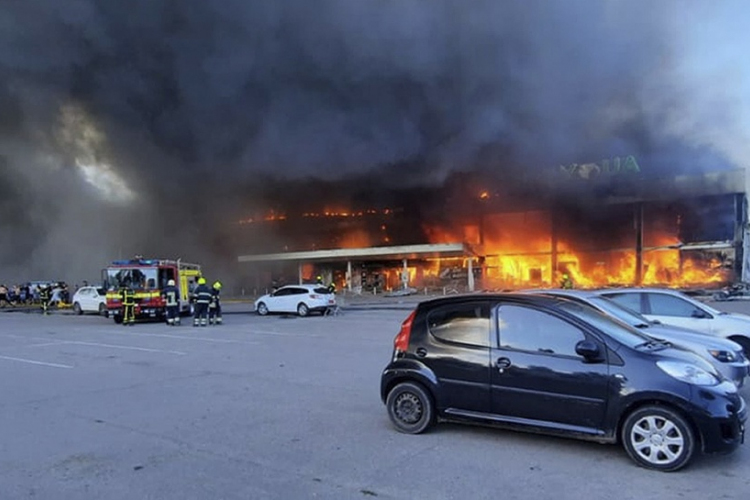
(127, 295)
(171, 296)
(215, 297)
(202, 294)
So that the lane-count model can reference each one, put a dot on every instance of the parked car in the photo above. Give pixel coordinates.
(550, 365)
(674, 308)
(90, 299)
(299, 299)
(726, 356)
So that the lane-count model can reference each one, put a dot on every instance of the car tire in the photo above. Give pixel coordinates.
(302, 309)
(262, 309)
(658, 438)
(410, 408)
(77, 309)
(103, 310)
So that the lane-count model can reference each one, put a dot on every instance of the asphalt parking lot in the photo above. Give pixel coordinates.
(272, 407)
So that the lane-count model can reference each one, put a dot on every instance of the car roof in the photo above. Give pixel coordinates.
(520, 297)
(304, 285)
(638, 290)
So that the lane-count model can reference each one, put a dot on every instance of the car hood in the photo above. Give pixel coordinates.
(690, 338)
(732, 323)
(680, 353)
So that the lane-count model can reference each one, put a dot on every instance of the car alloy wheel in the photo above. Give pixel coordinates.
(658, 438)
(77, 308)
(262, 309)
(410, 408)
(302, 310)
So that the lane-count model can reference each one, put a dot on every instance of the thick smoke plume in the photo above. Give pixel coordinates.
(148, 126)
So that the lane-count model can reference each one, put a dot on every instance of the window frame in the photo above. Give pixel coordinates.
(496, 311)
(488, 308)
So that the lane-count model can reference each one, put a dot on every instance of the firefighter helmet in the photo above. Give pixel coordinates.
(217, 285)
(201, 281)
(170, 283)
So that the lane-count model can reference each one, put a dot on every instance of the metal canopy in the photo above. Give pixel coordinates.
(371, 253)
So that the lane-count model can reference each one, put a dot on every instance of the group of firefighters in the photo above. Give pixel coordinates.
(206, 303)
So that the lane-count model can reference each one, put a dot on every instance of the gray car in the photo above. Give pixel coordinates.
(726, 356)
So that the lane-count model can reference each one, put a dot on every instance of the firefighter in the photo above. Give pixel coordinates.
(201, 300)
(566, 282)
(214, 308)
(44, 297)
(127, 296)
(170, 294)
(332, 287)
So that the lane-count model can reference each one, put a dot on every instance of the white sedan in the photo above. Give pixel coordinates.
(674, 308)
(299, 299)
(90, 299)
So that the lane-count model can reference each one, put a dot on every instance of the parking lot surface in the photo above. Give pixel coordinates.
(272, 408)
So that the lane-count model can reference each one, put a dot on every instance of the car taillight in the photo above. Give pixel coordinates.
(401, 342)
(314, 297)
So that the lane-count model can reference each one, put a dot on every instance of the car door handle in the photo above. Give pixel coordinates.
(502, 364)
(421, 352)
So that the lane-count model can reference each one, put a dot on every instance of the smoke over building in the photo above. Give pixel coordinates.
(151, 127)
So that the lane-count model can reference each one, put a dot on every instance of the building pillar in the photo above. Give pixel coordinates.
(405, 275)
(470, 267)
(299, 272)
(638, 222)
(349, 275)
(553, 249)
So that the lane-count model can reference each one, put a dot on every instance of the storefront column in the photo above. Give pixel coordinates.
(471, 274)
(299, 272)
(349, 275)
(405, 276)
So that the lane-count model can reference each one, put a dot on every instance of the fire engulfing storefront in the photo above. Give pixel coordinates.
(685, 232)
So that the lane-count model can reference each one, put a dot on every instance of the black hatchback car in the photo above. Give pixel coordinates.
(554, 366)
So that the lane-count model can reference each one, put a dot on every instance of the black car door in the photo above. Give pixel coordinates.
(537, 378)
(456, 349)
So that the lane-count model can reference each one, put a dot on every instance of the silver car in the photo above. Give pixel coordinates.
(726, 356)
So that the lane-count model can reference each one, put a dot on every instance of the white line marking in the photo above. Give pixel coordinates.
(184, 337)
(32, 362)
(96, 344)
(43, 345)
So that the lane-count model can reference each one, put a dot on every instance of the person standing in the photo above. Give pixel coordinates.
(201, 298)
(171, 295)
(44, 297)
(214, 308)
(127, 296)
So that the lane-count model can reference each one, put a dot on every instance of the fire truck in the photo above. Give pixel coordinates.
(147, 278)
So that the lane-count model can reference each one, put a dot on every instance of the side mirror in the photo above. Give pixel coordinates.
(589, 350)
(697, 313)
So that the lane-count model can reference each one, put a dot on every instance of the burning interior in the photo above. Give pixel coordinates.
(651, 234)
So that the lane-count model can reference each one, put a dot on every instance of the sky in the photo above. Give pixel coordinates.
(144, 126)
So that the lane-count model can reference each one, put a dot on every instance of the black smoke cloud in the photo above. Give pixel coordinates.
(203, 105)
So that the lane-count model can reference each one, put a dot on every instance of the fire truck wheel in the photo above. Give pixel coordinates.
(303, 310)
(77, 308)
(118, 319)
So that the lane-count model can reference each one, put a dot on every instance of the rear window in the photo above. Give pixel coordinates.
(320, 290)
(465, 323)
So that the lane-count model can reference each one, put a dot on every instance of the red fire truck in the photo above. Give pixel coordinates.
(147, 278)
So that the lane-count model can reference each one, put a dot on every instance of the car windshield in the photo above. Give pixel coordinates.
(618, 330)
(140, 278)
(620, 312)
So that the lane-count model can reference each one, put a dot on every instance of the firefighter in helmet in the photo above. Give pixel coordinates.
(319, 280)
(214, 308)
(566, 282)
(127, 296)
(201, 300)
(44, 297)
(171, 295)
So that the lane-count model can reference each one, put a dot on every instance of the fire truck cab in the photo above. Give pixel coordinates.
(147, 278)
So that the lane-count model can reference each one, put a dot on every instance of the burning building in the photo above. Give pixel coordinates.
(601, 224)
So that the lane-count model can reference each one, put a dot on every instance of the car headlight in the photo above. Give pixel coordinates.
(687, 372)
(723, 356)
